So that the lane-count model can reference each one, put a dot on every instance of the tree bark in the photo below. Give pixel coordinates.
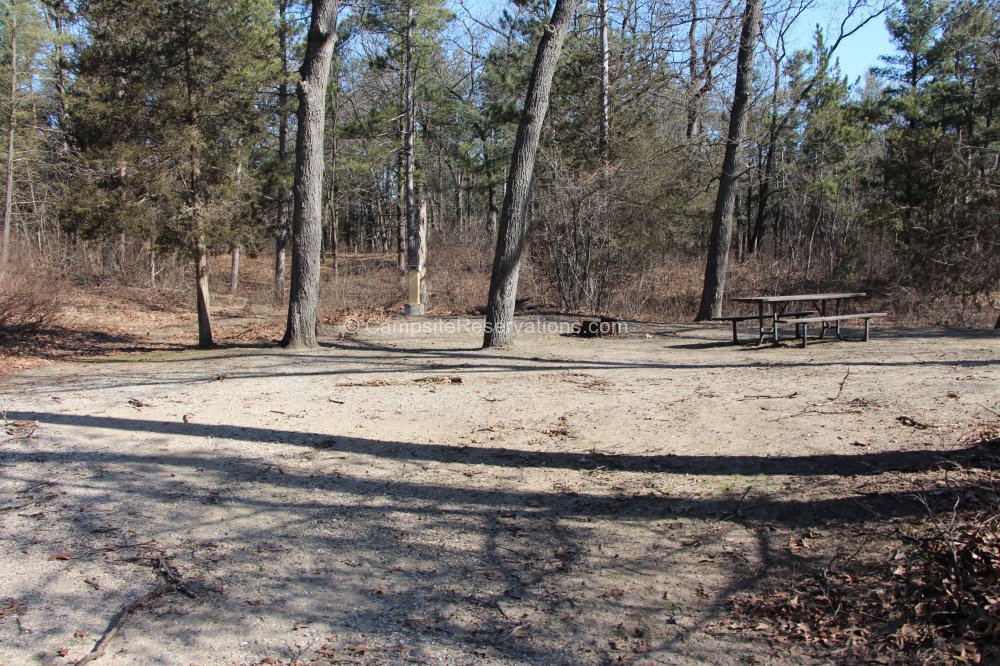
(8, 195)
(281, 237)
(764, 188)
(605, 90)
(333, 203)
(722, 218)
(409, 130)
(307, 218)
(195, 200)
(513, 215)
(416, 257)
(234, 272)
(693, 100)
(152, 264)
(201, 282)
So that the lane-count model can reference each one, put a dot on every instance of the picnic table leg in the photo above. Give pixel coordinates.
(823, 325)
(760, 322)
(867, 328)
(805, 334)
(736, 340)
(774, 325)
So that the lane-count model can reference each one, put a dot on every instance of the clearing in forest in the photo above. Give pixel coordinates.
(397, 499)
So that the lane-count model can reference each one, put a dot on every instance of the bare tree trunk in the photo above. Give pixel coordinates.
(409, 157)
(764, 188)
(280, 254)
(722, 218)
(307, 220)
(58, 12)
(8, 195)
(334, 201)
(234, 272)
(416, 257)
(513, 215)
(693, 98)
(194, 200)
(152, 264)
(491, 191)
(604, 96)
(281, 238)
(201, 279)
(335, 241)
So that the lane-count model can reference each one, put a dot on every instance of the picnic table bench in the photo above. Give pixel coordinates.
(777, 313)
(804, 322)
(736, 319)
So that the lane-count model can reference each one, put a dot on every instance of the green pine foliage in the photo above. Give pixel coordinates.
(166, 114)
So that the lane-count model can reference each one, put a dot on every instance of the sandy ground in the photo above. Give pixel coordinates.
(411, 499)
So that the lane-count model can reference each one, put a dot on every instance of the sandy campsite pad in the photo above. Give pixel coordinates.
(397, 499)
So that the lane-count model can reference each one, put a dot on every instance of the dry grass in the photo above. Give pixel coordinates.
(106, 298)
(28, 304)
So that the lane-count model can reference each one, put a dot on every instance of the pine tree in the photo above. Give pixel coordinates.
(167, 109)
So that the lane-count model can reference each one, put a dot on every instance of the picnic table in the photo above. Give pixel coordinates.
(772, 310)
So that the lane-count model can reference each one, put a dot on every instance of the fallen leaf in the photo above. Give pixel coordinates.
(11, 606)
(61, 556)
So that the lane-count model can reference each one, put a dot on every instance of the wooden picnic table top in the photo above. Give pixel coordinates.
(799, 297)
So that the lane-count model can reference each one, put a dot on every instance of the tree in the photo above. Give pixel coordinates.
(604, 91)
(940, 171)
(307, 219)
(514, 213)
(23, 32)
(167, 104)
(722, 217)
(286, 34)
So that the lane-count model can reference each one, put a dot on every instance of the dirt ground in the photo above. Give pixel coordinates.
(391, 498)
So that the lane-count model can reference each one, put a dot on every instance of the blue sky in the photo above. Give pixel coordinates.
(857, 53)
(861, 50)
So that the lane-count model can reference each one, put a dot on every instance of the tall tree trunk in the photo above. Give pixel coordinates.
(491, 189)
(333, 203)
(234, 272)
(152, 263)
(722, 218)
(513, 215)
(416, 256)
(764, 188)
(281, 233)
(605, 90)
(201, 286)
(8, 194)
(58, 12)
(194, 199)
(400, 202)
(694, 100)
(307, 219)
(409, 157)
